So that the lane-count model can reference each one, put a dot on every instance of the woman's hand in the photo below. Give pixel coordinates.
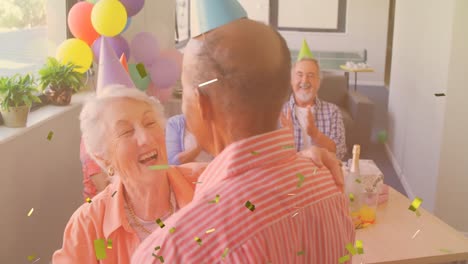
(181, 186)
(321, 157)
(192, 170)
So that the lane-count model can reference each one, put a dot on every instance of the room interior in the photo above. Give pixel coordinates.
(409, 114)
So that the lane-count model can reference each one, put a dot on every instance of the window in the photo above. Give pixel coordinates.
(182, 23)
(309, 15)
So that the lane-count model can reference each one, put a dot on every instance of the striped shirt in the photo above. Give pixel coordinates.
(328, 120)
(273, 207)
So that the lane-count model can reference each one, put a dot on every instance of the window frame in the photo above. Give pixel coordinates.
(341, 27)
(183, 43)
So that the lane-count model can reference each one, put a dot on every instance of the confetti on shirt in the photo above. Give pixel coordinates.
(300, 253)
(216, 199)
(157, 248)
(351, 249)
(295, 214)
(100, 249)
(250, 206)
(226, 251)
(208, 82)
(288, 147)
(31, 211)
(172, 230)
(301, 180)
(255, 153)
(159, 167)
(210, 230)
(141, 70)
(114, 193)
(415, 204)
(161, 259)
(343, 259)
(88, 200)
(160, 223)
(199, 241)
(109, 243)
(50, 135)
(416, 234)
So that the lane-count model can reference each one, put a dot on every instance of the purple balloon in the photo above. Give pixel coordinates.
(145, 48)
(133, 6)
(164, 72)
(118, 43)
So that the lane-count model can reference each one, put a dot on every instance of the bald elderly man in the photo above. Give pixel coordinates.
(257, 201)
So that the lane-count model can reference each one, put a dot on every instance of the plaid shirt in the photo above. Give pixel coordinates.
(328, 120)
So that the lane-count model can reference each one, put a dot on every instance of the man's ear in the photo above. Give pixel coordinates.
(204, 104)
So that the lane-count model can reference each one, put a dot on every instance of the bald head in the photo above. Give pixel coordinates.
(252, 64)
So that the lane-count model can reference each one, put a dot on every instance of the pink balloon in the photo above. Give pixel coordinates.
(174, 55)
(164, 72)
(144, 48)
(163, 95)
(118, 43)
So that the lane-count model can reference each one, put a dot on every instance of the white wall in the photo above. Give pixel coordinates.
(420, 124)
(366, 28)
(452, 188)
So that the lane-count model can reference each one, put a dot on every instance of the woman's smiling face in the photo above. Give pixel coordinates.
(136, 141)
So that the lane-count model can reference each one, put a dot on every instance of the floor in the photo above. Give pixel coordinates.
(376, 152)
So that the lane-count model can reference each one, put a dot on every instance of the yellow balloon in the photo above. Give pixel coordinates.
(77, 52)
(109, 17)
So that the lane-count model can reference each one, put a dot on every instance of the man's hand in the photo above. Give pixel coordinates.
(312, 129)
(286, 120)
(321, 157)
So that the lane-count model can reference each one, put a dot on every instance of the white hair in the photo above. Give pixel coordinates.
(92, 126)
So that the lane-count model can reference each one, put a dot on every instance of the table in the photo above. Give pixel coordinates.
(390, 239)
(348, 70)
(333, 60)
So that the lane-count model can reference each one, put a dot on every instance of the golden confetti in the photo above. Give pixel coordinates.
(31, 211)
(172, 230)
(250, 206)
(161, 259)
(210, 231)
(109, 243)
(255, 153)
(343, 259)
(444, 250)
(216, 200)
(358, 180)
(32, 257)
(88, 200)
(415, 204)
(300, 253)
(359, 247)
(199, 241)
(208, 82)
(114, 193)
(288, 147)
(141, 70)
(351, 197)
(295, 214)
(157, 248)
(291, 194)
(100, 249)
(160, 223)
(351, 249)
(50, 135)
(159, 167)
(226, 251)
(415, 234)
(301, 180)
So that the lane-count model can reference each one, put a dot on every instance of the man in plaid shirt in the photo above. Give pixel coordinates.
(315, 122)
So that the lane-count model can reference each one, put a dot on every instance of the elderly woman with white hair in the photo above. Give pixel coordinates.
(123, 130)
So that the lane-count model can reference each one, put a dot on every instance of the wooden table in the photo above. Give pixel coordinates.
(390, 240)
(348, 70)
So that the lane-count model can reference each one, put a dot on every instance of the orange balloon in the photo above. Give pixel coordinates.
(79, 22)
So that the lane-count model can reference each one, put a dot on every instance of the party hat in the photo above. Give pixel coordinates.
(305, 52)
(123, 61)
(207, 15)
(111, 70)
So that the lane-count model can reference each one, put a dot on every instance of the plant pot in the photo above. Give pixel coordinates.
(16, 116)
(60, 96)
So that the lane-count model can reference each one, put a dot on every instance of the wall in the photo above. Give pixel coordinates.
(425, 131)
(452, 191)
(367, 22)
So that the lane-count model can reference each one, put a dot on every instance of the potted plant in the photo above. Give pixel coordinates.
(59, 81)
(17, 94)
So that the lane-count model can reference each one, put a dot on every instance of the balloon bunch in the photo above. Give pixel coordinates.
(91, 20)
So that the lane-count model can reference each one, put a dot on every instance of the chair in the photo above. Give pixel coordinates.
(357, 110)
